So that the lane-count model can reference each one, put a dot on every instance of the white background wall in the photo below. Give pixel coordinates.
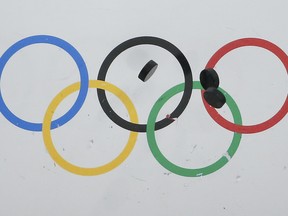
(254, 182)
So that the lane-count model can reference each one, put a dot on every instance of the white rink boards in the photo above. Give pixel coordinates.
(92, 160)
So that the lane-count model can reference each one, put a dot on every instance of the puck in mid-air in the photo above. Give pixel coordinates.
(209, 78)
(214, 97)
(148, 70)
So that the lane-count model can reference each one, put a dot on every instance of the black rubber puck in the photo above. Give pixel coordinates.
(209, 78)
(148, 70)
(214, 97)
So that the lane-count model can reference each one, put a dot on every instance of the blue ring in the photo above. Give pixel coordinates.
(83, 78)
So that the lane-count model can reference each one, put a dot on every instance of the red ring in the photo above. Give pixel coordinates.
(213, 61)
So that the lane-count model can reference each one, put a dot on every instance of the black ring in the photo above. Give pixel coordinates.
(140, 41)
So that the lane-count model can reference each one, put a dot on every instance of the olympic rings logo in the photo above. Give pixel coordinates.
(133, 126)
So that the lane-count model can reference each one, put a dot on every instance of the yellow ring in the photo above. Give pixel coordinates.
(81, 170)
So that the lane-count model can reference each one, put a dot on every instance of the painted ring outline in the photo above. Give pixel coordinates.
(47, 39)
(145, 40)
(77, 169)
(246, 129)
(187, 171)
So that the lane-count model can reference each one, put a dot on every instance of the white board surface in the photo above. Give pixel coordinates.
(252, 182)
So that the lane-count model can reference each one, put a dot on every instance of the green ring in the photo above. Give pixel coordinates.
(187, 171)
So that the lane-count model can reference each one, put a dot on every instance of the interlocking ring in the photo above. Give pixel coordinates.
(135, 42)
(188, 171)
(48, 139)
(214, 60)
(83, 77)
(133, 126)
